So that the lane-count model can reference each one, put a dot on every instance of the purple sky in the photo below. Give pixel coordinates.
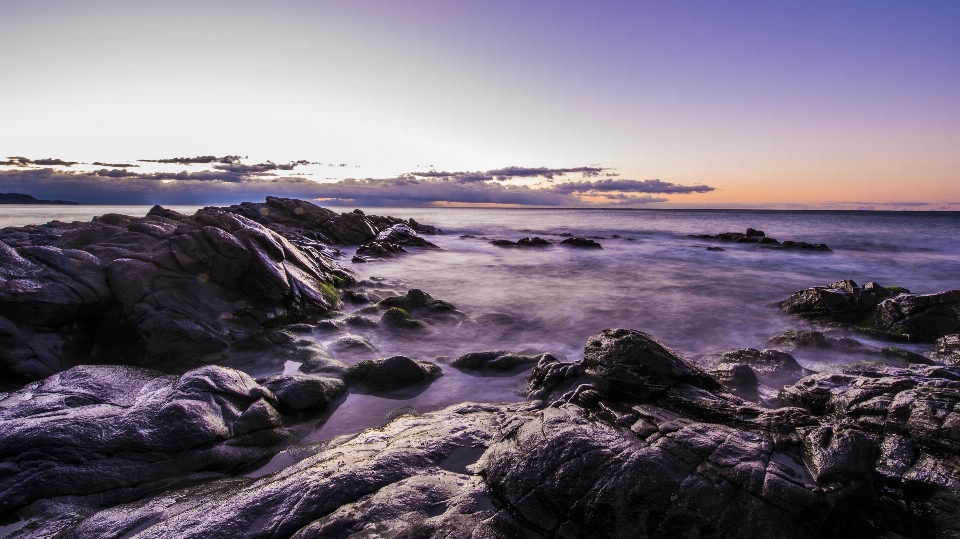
(770, 103)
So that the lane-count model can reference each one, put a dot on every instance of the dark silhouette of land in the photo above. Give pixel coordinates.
(18, 198)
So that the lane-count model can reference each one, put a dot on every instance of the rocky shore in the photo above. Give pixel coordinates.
(118, 421)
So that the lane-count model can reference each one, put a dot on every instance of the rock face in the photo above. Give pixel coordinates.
(167, 287)
(645, 445)
(391, 242)
(113, 433)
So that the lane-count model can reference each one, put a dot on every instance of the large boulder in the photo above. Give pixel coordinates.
(772, 367)
(843, 301)
(495, 362)
(112, 433)
(162, 288)
(392, 374)
(923, 317)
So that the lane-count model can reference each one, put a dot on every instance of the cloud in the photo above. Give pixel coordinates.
(503, 174)
(629, 186)
(203, 159)
(114, 165)
(234, 182)
(18, 161)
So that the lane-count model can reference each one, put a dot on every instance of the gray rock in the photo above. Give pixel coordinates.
(924, 317)
(771, 367)
(353, 344)
(112, 433)
(392, 373)
(494, 363)
(947, 349)
(843, 301)
(299, 392)
(738, 378)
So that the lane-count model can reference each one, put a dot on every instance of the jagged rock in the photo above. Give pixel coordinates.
(923, 317)
(114, 432)
(738, 378)
(946, 349)
(409, 478)
(392, 373)
(494, 362)
(163, 287)
(581, 242)
(503, 243)
(843, 301)
(552, 376)
(771, 367)
(630, 364)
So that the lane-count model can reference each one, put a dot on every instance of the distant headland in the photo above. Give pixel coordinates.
(18, 198)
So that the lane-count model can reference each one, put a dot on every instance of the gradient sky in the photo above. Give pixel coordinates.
(770, 102)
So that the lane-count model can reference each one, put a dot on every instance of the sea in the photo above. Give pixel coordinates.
(653, 277)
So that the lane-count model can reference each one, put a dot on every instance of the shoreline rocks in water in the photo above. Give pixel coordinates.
(757, 237)
(580, 241)
(640, 439)
(872, 308)
(169, 287)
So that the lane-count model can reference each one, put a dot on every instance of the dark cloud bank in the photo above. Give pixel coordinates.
(231, 181)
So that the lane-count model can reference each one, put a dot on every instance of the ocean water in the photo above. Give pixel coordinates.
(654, 278)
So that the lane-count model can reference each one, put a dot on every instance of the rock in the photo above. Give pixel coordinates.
(772, 367)
(552, 376)
(947, 349)
(651, 446)
(924, 317)
(738, 378)
(358, 259)
(163, 288)
(503, 243)
(630, 364)
(114, 433)
(300, 392)
(757, 237)
(352, 344)
(406, 479)
(893, 352)
(359, 321)
(535, 241)
(793, 339)
(843, 301)
(401, 234)
(381, 249)
(581, 242)
(494, 363)
(396, 317)
(391, 374)
(418, 302)
(715, 248)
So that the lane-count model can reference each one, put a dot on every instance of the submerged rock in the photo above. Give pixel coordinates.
(581, 242)
(758, 237)
(843, 301)
(494, 362)
(392, 373)
(300, 392)
(418, 302)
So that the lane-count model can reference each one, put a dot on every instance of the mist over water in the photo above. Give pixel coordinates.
(654, 278)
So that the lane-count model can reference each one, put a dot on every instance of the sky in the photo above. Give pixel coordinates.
(833, 104)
